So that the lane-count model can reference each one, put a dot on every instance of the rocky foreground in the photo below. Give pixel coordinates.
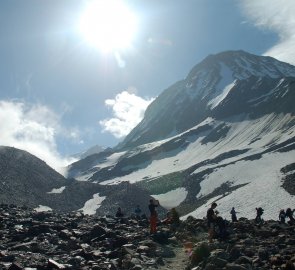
(47, 240)
(248, 246)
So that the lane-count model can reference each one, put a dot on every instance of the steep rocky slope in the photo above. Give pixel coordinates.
(26, 180)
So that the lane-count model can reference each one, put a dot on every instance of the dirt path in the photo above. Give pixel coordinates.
(179, 262)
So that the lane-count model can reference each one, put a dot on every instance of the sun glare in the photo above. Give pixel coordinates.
(108, 25)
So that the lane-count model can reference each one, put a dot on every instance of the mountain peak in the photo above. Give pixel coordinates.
(242, 65)
(218, 79)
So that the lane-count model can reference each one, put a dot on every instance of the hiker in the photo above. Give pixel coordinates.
(233, 215)
(211, 218)
(174, 216)
(119, 213)
(259, 212)
(137, 212)
(173, 219)
(289, 214)
(153, 215)
(282, 216)
(167, 220)
(222, 232)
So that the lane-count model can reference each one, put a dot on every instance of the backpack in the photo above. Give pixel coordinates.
(260, 211)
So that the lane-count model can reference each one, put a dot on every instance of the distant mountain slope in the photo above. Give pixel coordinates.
(25, 180)
(21, 172)
(226, 133)
(96, 149)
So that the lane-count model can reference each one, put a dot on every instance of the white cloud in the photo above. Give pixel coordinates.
(32, 128)
(128, 110)
(277, 16)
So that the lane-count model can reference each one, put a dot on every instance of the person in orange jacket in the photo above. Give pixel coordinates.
(153, 215)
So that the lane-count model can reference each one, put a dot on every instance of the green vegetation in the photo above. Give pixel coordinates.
(200, 253)
(163, 183)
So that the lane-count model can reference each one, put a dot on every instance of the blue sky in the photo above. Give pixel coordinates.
(61, 95)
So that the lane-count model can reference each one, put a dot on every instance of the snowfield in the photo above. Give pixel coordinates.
(263, 189)
(262, 176)
(238, 137)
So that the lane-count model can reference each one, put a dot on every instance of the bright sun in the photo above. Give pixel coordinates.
(108, 25)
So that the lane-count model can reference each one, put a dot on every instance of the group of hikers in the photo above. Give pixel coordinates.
(217, 226)
(287, 214)
(172, 216)
(217, 222)
(283, 215)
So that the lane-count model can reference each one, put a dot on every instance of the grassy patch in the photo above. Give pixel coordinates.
(163, 183)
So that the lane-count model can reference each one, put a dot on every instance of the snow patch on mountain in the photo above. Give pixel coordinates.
(225, 84)
(43, 208)
(92, 205)
(57, 190)
(217, 100)
(172, 198)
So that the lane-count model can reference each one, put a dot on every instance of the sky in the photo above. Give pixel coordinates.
(77, 73)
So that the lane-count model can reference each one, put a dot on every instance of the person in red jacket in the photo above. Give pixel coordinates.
(153, 215)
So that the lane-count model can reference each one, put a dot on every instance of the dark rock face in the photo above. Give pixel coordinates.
(289, 179)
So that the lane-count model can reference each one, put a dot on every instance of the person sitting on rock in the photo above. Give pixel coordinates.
(233, 215)
(153, 215)
(259, 212)
(174, 216)
(167, 219)
(222, 232)
(289, 214)
(137, 212)
(119, 213)
(282, 216)
(211, 219)
(172, 219)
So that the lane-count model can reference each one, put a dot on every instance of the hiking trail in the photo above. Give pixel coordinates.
(179, 262)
